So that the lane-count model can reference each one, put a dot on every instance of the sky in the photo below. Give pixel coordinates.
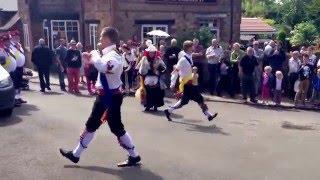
(9, 5)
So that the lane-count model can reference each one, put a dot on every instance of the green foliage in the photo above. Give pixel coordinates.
(204, 35)
(304, 34)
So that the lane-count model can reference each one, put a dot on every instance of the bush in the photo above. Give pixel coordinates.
(304, 34)
(205, 36)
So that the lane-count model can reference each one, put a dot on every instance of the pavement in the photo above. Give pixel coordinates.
(243, 143)
(286, 103)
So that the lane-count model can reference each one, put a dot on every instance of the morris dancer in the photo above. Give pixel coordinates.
(189, 90)
(20, 59)
(108, 102)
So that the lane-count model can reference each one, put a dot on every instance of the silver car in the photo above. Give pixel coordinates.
(7, 93)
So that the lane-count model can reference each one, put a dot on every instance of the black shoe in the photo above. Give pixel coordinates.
(147, 109)
(43, 90)
(210, 118)
(168, 114)
(254, 101)
(131, 161)
(155, 109)
(69, 155)
(17, 103)
(22, 101)
(48, 88)
(63, 89)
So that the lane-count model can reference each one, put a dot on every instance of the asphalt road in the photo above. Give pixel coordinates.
(244, 143)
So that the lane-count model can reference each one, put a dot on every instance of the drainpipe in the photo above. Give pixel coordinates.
(231, 20)
(82, 22)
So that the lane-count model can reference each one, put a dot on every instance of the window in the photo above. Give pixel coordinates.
(64, 29)
(213, 25)
(26, 37)
(150, 27)
(93, 34)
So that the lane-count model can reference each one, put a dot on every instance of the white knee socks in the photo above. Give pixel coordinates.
(85, 140)
(127, 143)
(175, 106)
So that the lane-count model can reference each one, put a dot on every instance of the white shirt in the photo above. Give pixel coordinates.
(183, 65)
(278, 84)
(110, 64)
(216, 52)
(294, 65)
(128, 59)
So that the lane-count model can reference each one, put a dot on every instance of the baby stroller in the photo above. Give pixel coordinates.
(27, 75)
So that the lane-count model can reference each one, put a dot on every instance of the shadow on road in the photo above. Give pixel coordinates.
(213, 129)
(161, 113)
(124, 174)
(24, 110)
(291, 126)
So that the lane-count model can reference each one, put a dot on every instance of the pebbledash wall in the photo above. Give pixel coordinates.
(83, 19)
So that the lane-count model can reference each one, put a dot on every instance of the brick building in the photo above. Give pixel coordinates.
(82, 19)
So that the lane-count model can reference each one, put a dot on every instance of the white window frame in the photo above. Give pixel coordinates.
(154, 27)
(26, 36)
(65, 26)
(93, 30)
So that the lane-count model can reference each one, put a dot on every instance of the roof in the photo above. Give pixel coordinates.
(10, 23)
(255, 26)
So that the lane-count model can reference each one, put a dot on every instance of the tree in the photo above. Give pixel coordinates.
(304, 34)
(204, 35)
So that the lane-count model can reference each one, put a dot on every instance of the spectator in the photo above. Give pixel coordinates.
(258, 53)
(236, 56)
(128, 74)
(80, 48)
(198, 58)
(42, 58)
(277, 88)
(266, 84)
(74, 62)
(225, 76)
(247, 65)
(90, 71)
(316, 89)
(294, 66)
(277, 60)
(171, 58)
(304, 78)
(214, 54)
(61, 53)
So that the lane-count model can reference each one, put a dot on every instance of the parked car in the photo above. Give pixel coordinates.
(7, 93)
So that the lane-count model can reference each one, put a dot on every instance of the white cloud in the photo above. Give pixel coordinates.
(9, 5)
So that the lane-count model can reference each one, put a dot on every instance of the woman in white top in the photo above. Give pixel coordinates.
(294, 66)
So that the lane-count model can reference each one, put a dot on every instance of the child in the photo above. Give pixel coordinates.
(316, 89)
(278, 88)
(224, 81)
(266, 81)
(90, 72)
(195, 76)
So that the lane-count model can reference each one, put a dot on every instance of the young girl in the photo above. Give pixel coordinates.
(90, 72)
(278, 88)
(266, 79)
(195, 76)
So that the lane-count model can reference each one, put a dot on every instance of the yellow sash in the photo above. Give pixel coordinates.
(184, 81)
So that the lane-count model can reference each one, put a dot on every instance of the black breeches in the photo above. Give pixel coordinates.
(191, 92)
(113, 115)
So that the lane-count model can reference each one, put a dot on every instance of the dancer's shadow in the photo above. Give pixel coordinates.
(161, 113)
(124, 174)
(212, 129)
(52, 93)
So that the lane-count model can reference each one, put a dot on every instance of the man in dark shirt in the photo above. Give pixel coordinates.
(247, 66)
(42, 58)
(61, 53)
(74, 62)
(277, 59)
(171, 58)
(198, 57)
